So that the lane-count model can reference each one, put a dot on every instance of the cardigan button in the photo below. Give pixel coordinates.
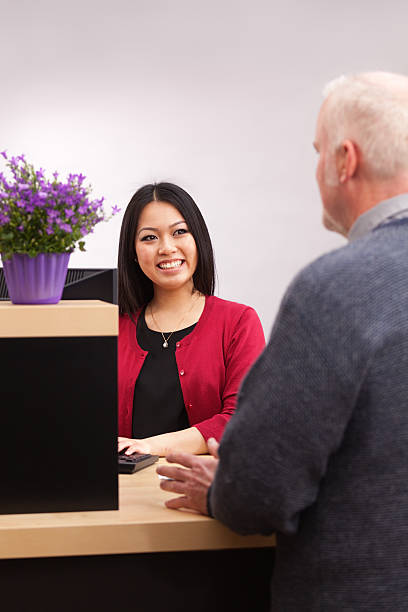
(181, 372)
(177, 344)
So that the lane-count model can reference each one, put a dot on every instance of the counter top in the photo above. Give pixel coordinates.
(142, 524)
(67, 318)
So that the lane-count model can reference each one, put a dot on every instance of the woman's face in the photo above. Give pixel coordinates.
(165, 248)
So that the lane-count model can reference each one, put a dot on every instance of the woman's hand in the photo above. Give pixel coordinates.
(189, 440)
(134, 446)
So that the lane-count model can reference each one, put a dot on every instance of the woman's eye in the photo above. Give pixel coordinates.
(148, 238)
(180, 231)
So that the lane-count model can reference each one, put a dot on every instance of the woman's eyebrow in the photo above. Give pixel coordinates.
(152, 229)
(156, 229)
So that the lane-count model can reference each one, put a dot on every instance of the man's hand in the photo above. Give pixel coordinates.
(192, 483)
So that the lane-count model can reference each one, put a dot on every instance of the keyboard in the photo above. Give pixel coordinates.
(127, 464)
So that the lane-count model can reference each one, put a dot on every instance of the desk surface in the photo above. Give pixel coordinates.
(142, 524)
(67, 318)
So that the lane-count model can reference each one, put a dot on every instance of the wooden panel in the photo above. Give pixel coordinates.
(142, 524)
(67, 318)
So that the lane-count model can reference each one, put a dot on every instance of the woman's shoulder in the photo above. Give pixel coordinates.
(228, 310)
(228, 319)
(217, 303)
(126, 321)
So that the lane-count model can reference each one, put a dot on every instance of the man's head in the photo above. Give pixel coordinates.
(362, 140)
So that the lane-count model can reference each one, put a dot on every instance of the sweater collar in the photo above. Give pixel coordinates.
(396, 207)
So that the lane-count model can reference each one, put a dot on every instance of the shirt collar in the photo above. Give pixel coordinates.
(377, 215)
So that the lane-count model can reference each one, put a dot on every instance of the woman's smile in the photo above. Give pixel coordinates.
(173, 264)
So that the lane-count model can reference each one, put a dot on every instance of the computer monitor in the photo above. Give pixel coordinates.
(82, 284)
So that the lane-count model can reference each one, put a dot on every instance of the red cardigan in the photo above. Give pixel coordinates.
(212, 361)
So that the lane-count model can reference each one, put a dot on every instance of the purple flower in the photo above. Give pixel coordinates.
(49, 204)
(66, 227)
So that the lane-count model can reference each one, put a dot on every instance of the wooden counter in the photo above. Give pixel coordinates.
(58, 375)
(142, 524)
(65, 319)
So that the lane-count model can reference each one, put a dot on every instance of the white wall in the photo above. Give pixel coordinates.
(218, 96)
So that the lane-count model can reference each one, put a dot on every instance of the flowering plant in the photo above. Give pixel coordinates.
(38, 215)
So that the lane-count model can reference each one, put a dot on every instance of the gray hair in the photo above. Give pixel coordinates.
(371, 109)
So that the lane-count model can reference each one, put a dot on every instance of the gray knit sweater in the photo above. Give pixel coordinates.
(318, 447)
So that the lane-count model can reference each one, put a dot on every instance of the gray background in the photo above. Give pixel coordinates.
(220, 97)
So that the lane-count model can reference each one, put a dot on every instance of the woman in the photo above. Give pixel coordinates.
(182, 352)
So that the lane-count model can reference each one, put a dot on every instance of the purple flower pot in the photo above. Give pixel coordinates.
(36, 280)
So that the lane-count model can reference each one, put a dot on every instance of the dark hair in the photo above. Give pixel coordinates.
(135, 289)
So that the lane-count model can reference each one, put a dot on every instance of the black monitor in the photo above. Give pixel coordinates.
(82, 284)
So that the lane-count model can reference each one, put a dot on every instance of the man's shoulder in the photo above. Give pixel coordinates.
(352, 259)
(354, 268)
(328, 269)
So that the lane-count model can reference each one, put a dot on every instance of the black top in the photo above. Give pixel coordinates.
(158, 405)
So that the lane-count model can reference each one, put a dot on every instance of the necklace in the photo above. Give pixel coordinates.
(166, 340)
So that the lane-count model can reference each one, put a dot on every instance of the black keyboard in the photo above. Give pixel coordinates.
(127, 464)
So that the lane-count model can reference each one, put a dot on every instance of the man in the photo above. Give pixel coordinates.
(318, 448)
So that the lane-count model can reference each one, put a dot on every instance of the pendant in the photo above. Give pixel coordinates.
(165, 344)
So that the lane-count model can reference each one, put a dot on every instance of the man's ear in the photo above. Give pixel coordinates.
(346, 160)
